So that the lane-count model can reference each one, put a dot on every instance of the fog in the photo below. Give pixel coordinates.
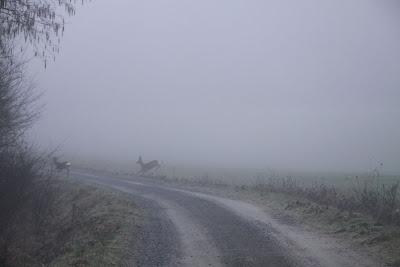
(308, 85)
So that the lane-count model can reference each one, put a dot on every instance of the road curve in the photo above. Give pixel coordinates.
(185, 228)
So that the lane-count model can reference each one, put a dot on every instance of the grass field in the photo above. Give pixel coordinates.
(253, 177)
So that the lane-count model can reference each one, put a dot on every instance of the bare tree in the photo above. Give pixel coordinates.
(37, 22)
(17, 110)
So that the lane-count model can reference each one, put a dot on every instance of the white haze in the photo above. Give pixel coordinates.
(310, 85)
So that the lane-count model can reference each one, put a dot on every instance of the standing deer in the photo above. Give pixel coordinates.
(61, 165)
(145, 167)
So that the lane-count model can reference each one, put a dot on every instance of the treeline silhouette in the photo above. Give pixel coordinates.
(38, 26)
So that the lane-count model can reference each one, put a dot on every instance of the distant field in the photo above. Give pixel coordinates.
(248, 176)
(254, 176)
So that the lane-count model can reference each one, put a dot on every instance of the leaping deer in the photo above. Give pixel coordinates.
(145, 167)
(61, 165)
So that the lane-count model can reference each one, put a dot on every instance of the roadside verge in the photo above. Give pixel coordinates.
(86, 225)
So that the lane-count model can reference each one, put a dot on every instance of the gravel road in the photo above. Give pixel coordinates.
(185, 228)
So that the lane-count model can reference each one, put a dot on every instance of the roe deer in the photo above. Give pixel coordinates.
(61, 165)
(145, 167)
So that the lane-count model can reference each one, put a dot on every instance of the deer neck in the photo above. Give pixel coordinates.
(141, 163)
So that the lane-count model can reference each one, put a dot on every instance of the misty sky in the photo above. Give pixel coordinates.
(277, 84)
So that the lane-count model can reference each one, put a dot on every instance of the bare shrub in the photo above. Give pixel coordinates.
(17, 110)
(19, 167)
(370, 196)
(42, 198)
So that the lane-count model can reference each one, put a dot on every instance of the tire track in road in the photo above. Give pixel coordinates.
(194, 229)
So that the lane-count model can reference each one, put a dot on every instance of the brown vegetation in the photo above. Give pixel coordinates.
(83, 226)
(371, 197)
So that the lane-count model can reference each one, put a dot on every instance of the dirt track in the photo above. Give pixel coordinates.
(185, 228)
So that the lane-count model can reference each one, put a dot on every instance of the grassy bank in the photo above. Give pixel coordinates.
(84, 226)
